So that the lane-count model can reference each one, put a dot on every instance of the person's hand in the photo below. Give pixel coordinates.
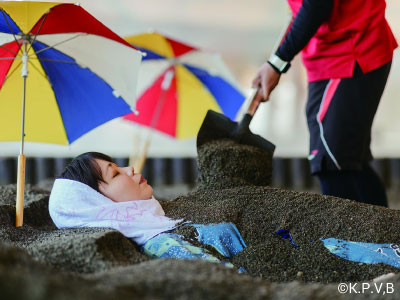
(267, 79)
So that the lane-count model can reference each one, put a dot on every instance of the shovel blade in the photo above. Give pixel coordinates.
(217, 126)
(256, 141)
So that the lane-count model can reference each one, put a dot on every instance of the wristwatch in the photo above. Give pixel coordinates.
(278, 64)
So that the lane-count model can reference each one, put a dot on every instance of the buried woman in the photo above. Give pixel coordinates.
(95, 192)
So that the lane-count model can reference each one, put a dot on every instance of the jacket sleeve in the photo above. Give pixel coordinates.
(311, 15)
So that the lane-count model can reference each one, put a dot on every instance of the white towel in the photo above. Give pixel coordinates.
(74, 204)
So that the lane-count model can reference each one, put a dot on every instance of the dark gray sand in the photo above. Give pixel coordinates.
(259, 211)
(38, 261)
(23, 278)
(225, 164)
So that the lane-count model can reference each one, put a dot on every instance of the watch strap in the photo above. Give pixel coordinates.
(278, 64)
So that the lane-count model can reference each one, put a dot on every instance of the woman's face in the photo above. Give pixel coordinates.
(122, 184)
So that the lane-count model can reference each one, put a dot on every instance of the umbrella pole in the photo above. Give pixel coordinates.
(165, 85)
(21, 158)
(138, 167)
(133, 158)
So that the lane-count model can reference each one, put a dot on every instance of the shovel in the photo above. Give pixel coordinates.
(217, 126)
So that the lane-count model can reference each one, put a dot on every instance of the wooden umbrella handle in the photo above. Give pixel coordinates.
(20, 191)
(142, 159)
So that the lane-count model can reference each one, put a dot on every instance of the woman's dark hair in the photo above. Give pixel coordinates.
(83, 168)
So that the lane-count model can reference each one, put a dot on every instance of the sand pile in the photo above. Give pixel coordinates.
(259, 211)
(38, 261)
(225, 164)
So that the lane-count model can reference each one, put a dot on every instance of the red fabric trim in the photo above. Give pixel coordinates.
(70, 18)
(179, 48)
(330, 91)
(146, 105)
(6, 64)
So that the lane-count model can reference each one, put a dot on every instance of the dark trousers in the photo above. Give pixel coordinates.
(363, 185)
(340, 114)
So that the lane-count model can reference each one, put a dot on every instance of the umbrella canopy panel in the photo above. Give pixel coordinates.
(71, 87)
(201, 82)
(40, 108)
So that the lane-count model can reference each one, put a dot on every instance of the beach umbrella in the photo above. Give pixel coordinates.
(178, 83)
(71, 72)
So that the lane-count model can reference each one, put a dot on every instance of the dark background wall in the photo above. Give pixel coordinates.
(290, 173)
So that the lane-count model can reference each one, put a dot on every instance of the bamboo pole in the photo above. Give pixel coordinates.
(139, 164)
(19, 206)
(20, 191)
(133, 158)
(165, 85)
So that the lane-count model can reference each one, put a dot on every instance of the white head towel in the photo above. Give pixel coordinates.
(74, 204)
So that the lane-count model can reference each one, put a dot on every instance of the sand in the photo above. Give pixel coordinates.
(259, 212)
(225, 164)
(38, 261)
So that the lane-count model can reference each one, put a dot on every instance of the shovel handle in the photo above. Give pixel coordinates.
(251, 110)
(254, 102)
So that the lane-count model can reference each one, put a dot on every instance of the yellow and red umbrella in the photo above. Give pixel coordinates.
(178, 84)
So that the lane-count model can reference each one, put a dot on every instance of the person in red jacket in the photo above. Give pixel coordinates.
(347, 49)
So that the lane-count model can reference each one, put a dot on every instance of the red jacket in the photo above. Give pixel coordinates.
(356, 31)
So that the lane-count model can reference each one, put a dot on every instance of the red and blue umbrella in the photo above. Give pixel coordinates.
(80, 72)
(76, 75)
(178, 84)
